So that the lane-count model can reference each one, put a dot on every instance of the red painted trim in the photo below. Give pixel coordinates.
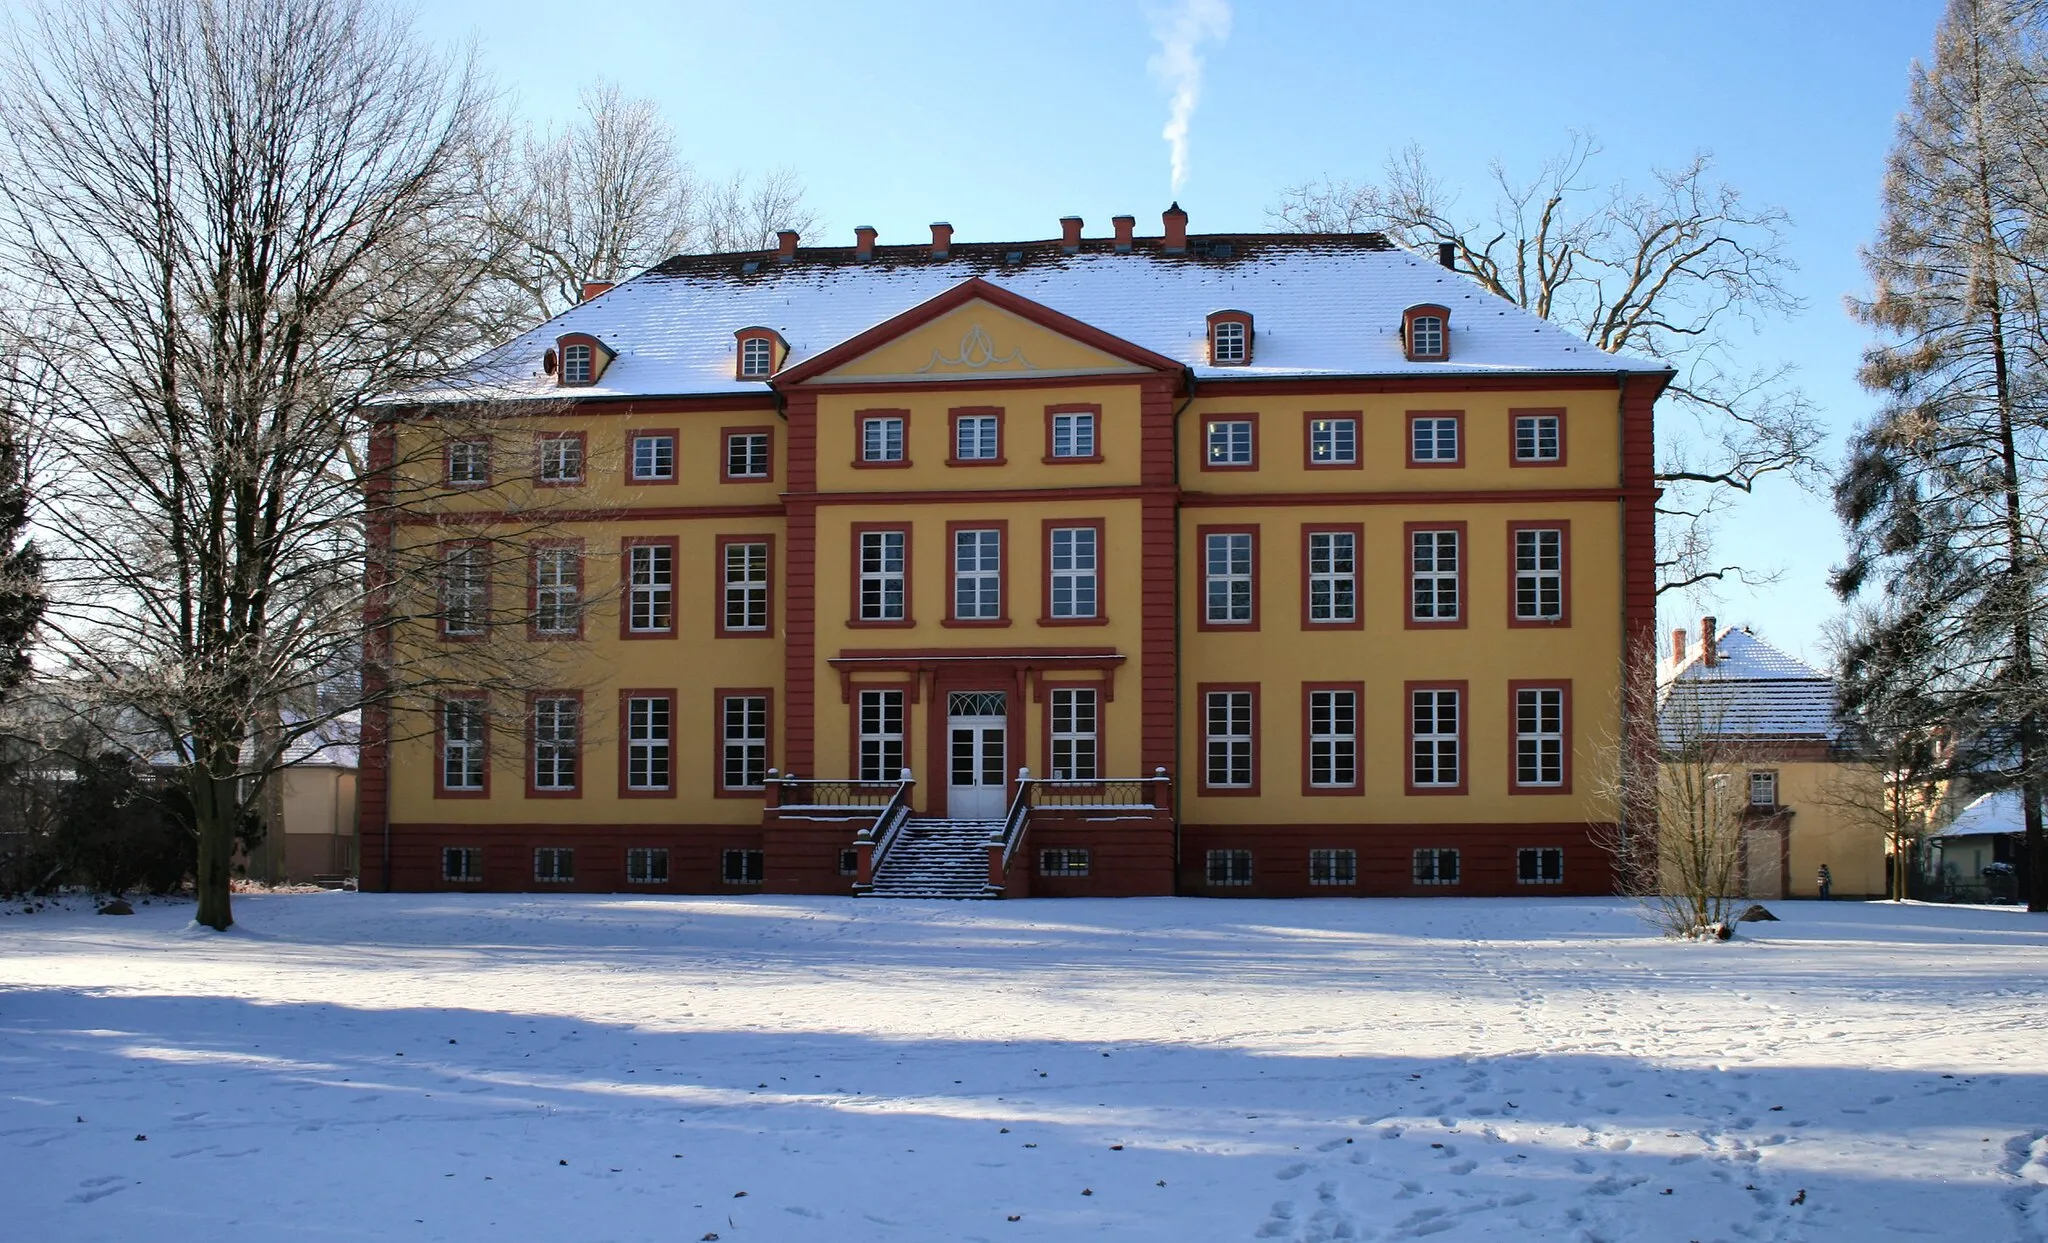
(1159, 580)
(448, 462)
(721, 543)
(1357, 532)
(1408, 454)
(1488, 496)
(611, 405)
(953, 417)
(958, 496)
(1408, 318)
(1209, 421)
(965, 384)
(441, 551)
(675, 562)
(1464, 617)
(799, 600)
(725, 435)
(1564, 565)
(601, 356)
(1464, 785)
(1308, 439)
(1021, 655)
(1202, 693)
(1001, 526)
(860, 418)
(1357, 785)
(778, 350)
(1231, 317)
(1046, 527)
(582, 733)
(373, 782)
(582, 440)
(1514, 735)
(470, 518)
(1455, 382)
(675, 458)
(1202, 534)
(1563, 443)
(909, 618)
(441, 742)
(533, 552)
(718, 697)
(624, 740)
(1073, 407)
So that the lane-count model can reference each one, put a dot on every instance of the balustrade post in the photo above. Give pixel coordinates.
(1162, 790)
(774, 788)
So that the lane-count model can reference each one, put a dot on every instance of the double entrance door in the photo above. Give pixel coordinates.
(977, 732)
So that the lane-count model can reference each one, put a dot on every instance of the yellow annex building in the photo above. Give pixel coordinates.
(1272, 564)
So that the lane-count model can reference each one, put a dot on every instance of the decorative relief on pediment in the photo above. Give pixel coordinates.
(977, 353)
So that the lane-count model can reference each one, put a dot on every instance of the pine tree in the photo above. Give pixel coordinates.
(1943, 491)
(21, 565)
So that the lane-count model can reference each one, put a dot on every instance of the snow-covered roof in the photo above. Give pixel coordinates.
(1749, 690)
(1322, 305)
(1996, 812)
(332, 743)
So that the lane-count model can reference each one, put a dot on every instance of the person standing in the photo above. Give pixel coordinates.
(1826, 881)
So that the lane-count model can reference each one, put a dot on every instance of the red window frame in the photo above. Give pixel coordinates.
(533, 552)
(1202, 534)
(1464, 785)
(1539, 412)
(1357, 532)
(448, 462)
(1464, 618)
(860, 418)
(582, 736)
(1001, 526)
(1102, 699)
(1209, 421)
(1408, 318)
(1515, 785)
(725, 435)
(953, 417)
(778, 349)
(718, 573)
(1202, 786)
(1563, 527)
(441, 789)
(1357, 785)
(675, 562)
(853, 617)
(1231, 317)
(582, 440)
(1100, 526)
(1072, 407)
(1308, 439)
(675, 466)
(441, 551)
(718, 697)
(1408, 450)
(625, 742)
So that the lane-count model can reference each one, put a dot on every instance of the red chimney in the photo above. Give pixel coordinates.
(1176, 222)
(593, 288)
(785, 245)
(1708, 656)
(1678, 646)
(1070, 234)
(1124, 227)
(942, 239)
(864, 242)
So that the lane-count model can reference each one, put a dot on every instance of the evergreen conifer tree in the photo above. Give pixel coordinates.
(21, 564)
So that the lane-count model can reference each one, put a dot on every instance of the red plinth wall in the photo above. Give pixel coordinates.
(1487, 859)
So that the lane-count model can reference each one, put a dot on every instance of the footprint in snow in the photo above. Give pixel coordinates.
(1291, 1172)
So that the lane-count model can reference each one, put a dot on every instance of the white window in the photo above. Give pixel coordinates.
(1426, 336)
(1433, 440)
(1333, 576)
(977, 575)
(1065, 861)
(1073, 434)
(650, 607)
(1333, 739)
(1539, 736)
(1228, 739)
(469, 462)
(1227, 562)
(977, 438)
(1332, 867)
(1332, 442)
(1763, 789)
(465, 590)
(463, 749)
(881, 440)
(576, 364)
(554, 864)
(1230, 443)
(647, 866)
(1074, 736)
(746, 586)
(1539, 574)
(1538, 438)
(744, 746)
(1433, 574)
(1436, 867)
(555, 744)
(742, 867)
(1074, 562)
(649, 741)
(881, 735)
(881, 576)
(746, 455)
(462, 863)
(561, 459)
(1228, 867)
(654, 457)
(557, 588)
(1433, 738)
(757, 357)
(1539, 865)
(1227, 342)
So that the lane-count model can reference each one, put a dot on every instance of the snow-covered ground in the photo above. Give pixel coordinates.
(590, 1068)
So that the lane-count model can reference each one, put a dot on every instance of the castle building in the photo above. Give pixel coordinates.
(1200, 564)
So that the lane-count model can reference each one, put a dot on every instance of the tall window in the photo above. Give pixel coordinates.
(1227, 578)
(561, 458)
(1433, 738)
(1539, 574)
(746, 455)
(463, 747)
(977, 438)
(1333, 739)
(1332, 442)
(465, 589)
(881, 576)
(1332, 577)
(881, 439)
(1073, 572)
(654, 458)
(469, 462)
(1433, 575)
(977, 575)
(1228, 740)
(743, 725)
(556, 746)
(651, 586)
(1539, 736)
(881, 735)
(1073, 434)
(576, 364)
(557, 588)
(1227, 342)
(1433, 439)
(650, 739)
(757, 357)
(1539, 438)
(1230, 442)
(1073, 736)
(746, 586)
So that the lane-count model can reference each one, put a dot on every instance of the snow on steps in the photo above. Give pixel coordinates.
(937, 859)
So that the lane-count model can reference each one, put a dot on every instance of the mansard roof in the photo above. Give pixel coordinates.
(1327, 305)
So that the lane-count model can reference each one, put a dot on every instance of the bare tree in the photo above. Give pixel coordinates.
(745, 213)
(1671, 270)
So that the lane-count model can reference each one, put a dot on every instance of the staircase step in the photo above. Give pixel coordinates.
(937, 858)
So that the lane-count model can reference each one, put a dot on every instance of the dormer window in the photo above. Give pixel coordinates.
(576, 364)
(761, 351)
(1230, 339)
(1426, 333)
(583, 359)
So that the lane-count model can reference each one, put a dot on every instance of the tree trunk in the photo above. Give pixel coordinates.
(214, 814)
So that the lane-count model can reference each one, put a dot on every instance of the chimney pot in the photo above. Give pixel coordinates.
(1708, 634)
(1125, 226)
(592, 289)
(1176, 222)
(1678, 646)
(942, 239)
(864, 242)
(1447, 254)
(785, 245)
(1070, 234)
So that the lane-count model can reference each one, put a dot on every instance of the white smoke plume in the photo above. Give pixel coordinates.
(1181, 31)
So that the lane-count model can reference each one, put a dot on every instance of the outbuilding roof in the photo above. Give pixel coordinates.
(1748, 689)
(1988, 815)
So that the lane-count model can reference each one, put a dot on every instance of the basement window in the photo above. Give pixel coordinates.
(742, 867)
(1065, 861)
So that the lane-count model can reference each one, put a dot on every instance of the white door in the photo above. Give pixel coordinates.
(976, 731)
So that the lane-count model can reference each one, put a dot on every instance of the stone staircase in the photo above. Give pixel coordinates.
(937, 859)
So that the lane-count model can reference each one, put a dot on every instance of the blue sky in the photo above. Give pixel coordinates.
(1002, 118)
